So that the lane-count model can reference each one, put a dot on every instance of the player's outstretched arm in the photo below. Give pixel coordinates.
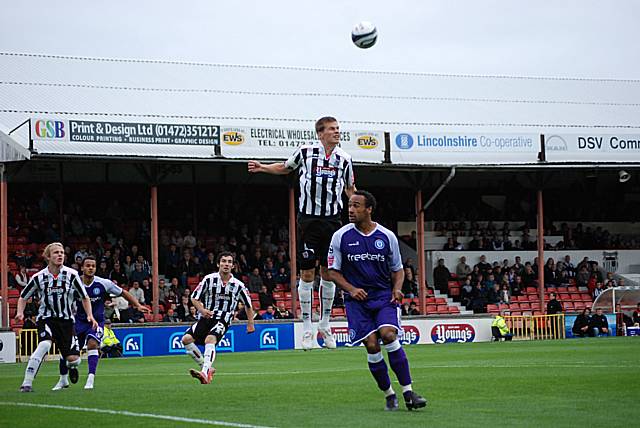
(86, 304)
(340, 281)
(134, 302)
(277, 168)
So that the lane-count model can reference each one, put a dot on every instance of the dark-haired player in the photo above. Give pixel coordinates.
(216, 299)
(364, 260)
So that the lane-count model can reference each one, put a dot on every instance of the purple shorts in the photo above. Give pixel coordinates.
(84, 331)
(369, 316)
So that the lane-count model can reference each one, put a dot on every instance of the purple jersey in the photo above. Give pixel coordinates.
(97, 292)
(366, 261)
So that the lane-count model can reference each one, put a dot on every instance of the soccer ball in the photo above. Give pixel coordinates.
(364, 35)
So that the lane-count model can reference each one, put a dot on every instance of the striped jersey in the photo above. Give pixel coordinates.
(322, 178)
(221, 299)
(56, 293)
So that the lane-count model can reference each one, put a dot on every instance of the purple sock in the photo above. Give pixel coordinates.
(400, 366)
(93, 363)
(380, 374)
(63, 366)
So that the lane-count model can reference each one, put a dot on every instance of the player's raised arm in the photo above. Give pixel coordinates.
(277, 168)
(134, 302)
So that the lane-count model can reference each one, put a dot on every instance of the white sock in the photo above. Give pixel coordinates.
(209, 356)
(305, 294)
(75, 363)
(35, 360)
(406, 388)
(327, 292)
(194, 353)
(389, 392)
(90, 377)
(64, 378)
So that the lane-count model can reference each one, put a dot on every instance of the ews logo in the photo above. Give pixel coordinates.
(49, 129)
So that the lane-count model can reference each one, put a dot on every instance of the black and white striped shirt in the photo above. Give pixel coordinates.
(322, 179)
(221, 299)
(56, 293)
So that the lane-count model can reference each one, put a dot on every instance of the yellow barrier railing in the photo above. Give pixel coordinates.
(536, 327)
(27, 341)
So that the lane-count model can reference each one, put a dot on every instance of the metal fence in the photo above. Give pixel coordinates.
(536, 327)
(27, 343)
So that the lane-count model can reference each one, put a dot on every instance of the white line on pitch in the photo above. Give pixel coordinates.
(137, 415)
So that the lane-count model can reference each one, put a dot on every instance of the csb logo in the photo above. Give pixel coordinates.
(404, 141)
(410, 335)
(227, 344)
(269, 339)
(340, 334)
(233, 137)
(367, 142)
(451, 333)
(175, 343)
(49, 129)
(133, 345)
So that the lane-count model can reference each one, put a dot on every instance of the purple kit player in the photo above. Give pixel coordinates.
(97, 289)
(364, 260)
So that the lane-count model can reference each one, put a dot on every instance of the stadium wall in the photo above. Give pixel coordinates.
(165, 340)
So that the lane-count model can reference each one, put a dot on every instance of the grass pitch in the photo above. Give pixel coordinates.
(587, 382)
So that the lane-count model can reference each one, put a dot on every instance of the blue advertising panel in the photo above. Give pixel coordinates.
(153, 341)
(570, 319)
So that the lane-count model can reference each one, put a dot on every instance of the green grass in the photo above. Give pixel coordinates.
(588, 382)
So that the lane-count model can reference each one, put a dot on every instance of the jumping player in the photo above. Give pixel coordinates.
(216, 299)
(97, 289)
(324, 171)
(364, 260)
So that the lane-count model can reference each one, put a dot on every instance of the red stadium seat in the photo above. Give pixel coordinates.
(578, 306)
(562, 290)
(586, 297)
(568, 306)
(454, 310)
(525, 306)
(515, 306)
(572, 289)
(516, 313)
(532, 290)
(493, 308)
(431, 300)
(535, 306)
(576, 297)
(432, 309)
(337, 312)
(503, 307)
(278, 295)
(454, 291)
(441, 301)
(443, 309)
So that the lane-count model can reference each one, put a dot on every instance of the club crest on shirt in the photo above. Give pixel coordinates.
(379, 243)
